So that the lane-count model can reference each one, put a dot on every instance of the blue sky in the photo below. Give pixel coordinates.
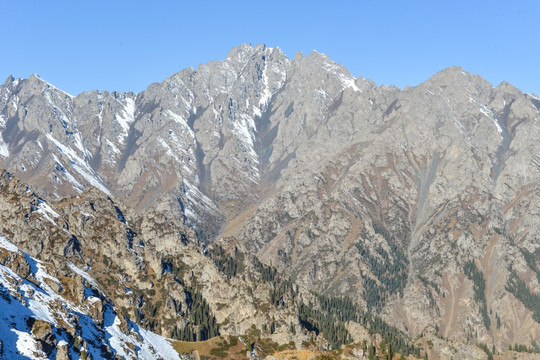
(126, 45)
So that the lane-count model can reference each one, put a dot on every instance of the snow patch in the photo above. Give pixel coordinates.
(266, 94)
(216, 114)
(322, 93)
(158, 342)
(79, 165)
(47, 217)
(153, 346)
(194, 195)
(6, 244)
(76, 185)
(83, 273)
(91, 179)
(257, 111)
(348, 82)
(45, 210)
(126, 117)
(460, 126)
(87, 214)
(491, 115)
(112, 147)
(168, 149)
(241, 129)
(177, 118)
(79, 144)
(4, 151)
(180, 120)
(27, 346)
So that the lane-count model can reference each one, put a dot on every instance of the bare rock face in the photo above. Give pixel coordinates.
(15, 262)
(62, 352)
(43, 333)
(420, 204)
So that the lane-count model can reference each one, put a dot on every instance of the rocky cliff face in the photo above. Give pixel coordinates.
(418, 203)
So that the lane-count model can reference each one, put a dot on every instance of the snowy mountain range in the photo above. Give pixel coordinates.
(419, 204)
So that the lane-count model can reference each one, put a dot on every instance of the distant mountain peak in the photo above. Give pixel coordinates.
(408, 202)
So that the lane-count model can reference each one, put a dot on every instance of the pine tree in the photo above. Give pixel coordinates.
(390, 352)
(273, 325)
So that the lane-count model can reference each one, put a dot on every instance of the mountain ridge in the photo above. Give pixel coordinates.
(397, 198)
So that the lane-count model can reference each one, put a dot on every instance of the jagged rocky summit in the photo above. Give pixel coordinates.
(418, 204)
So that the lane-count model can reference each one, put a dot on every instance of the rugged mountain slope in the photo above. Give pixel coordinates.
(84, 276)
(419, 203)
(428, 186)
(144, 268)
(207, 130)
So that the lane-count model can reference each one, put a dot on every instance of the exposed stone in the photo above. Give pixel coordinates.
(42, 332)
(62, 352)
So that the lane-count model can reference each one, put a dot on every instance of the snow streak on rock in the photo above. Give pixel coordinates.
(24, 302)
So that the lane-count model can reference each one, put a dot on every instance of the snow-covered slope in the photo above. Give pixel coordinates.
(37, 322)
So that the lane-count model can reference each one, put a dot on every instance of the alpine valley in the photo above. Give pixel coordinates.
(267, 207)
